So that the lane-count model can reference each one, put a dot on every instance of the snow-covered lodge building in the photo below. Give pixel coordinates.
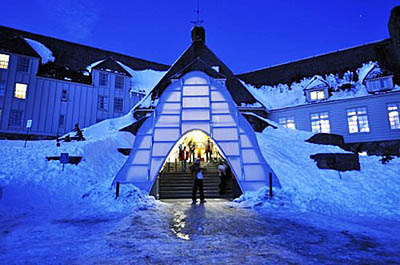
(352, 92)
(56, 84)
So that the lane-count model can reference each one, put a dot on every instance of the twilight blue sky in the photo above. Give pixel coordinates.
(246, 35)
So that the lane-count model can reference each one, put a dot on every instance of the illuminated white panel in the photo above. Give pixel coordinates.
(245, 141)
(230, 148)
(223, 120)
(196, 91)
(136, 173)
(166, 134)
(255, 172)
(217, 96)
(170, 108)
(167, 120)
(195, 81)
(156, 163)
(225, 134)
(141, 157)
(143, 141)
(161, 149)
(187, 126)
(195, 114)
(235, 163)
(250, 156)
(196, 102)
(220, 108)
(169, 96)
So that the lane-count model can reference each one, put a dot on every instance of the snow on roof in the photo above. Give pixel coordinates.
(90, 67)
(143, 80)
(316, 82)
(365, 69)
(290, 95)
(45, 53)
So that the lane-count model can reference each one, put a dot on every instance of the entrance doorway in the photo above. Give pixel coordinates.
(175, 179)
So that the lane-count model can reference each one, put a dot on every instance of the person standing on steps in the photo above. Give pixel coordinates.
(222, 177)
(197, 174)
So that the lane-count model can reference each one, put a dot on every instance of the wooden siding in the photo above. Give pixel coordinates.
(337, 110)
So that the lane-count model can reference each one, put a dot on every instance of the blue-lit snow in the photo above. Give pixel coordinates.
(50, 216)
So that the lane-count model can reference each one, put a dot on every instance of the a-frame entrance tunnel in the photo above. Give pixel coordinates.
(196, 102)
(175, 179)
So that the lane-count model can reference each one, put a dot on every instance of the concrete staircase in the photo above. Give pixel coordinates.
(175, 184)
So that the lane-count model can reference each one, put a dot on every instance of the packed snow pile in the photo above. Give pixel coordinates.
(30, 182)
(290, 95)
(373, 191)
(45, 53)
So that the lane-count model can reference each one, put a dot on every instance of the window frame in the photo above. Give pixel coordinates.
(18, 92)
(12, 118)
(23, 64)
(4, 63)
(397, 105)
(286, 123)
(320, 123)
(101, 80)
(121, 82)
(102, 104)
(122, 105)
(358, 120)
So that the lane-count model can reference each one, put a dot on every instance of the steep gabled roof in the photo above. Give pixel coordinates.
(110, 64)
(71, 59)
(336, 63)
(18, 44)
(199, 57)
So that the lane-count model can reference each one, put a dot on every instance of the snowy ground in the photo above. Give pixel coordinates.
(177, 232)
(50, 216)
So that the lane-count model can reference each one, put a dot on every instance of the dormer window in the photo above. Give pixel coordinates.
(4, 59)
(377, 80)
(379, 84)
(316, 90)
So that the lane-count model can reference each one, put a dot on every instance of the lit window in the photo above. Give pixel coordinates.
(20, 90)
(357, 120)
(317, 95)
(64, 95)
(103, 79)
(287, 122)
(4, 59)
(23, 64)
(15, 118)
(118, 104)
(119, 81)
(102, 103)
(61, 121)
(320, 122)
(393, 112)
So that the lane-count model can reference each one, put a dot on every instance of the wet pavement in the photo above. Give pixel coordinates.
(178, 232)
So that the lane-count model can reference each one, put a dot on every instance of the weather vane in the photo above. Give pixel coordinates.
(198, 22)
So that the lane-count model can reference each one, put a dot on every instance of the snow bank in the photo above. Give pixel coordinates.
(30, 182)
(45, 53)
(290, 95)
(373, 191)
